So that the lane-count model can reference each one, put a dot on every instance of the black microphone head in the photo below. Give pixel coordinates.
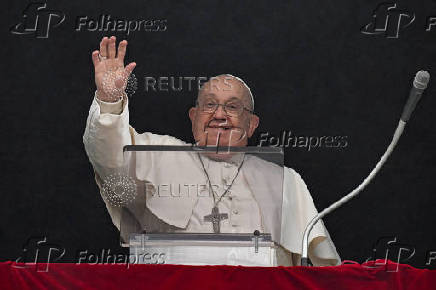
(421, 79)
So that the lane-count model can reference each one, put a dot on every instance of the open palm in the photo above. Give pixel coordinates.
(110, 73)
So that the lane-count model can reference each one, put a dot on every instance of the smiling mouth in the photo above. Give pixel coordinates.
(224, 128)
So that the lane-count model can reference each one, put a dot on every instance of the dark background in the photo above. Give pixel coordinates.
(310, 69)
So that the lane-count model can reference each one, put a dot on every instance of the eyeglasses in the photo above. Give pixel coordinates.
(232, 109)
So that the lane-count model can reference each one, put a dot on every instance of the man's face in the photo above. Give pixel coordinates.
(219, 128)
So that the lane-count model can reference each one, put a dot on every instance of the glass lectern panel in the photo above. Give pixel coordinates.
(198, 190)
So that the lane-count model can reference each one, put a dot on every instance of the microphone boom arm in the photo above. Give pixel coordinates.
(355, 192)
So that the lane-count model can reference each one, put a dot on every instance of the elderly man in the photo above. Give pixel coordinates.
(223, 116)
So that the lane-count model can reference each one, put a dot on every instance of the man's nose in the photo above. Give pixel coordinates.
(220, 113)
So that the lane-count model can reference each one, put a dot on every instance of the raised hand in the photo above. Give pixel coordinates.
(110, 73)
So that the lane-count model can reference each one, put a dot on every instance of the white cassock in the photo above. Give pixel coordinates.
(108, 131)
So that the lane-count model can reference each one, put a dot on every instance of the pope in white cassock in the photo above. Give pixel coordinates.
(223, 116)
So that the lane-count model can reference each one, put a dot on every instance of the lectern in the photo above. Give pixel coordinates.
(199, 205)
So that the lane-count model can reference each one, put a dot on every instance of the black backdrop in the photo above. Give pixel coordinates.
(311, 70)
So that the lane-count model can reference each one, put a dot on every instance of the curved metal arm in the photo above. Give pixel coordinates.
(356, 191)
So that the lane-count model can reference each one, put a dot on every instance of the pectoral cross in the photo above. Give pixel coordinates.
(215, 218)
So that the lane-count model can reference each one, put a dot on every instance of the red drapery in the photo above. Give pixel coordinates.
(84, 276)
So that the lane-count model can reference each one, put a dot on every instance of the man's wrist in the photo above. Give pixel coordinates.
(110, 107)
(102, 97)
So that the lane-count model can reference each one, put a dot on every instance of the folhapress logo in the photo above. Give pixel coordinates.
(388, 20)
(38, 253)
(38, 20)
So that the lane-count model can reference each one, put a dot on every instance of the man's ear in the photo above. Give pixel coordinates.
(192, 113)
(254, 122)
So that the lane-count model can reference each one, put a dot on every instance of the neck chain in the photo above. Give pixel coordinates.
(215, 203)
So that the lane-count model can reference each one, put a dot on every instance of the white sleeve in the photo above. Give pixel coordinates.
(107, 132)
(298, 210)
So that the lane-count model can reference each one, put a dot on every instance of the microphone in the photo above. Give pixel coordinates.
(420, 83)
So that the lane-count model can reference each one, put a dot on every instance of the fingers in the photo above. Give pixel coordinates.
(122, 50)
(103, 46)
(129, 68)
(111, 47)
(95, 58)
(108, 50)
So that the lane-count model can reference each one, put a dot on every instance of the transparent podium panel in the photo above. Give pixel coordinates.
(199, 205)
(203, 249)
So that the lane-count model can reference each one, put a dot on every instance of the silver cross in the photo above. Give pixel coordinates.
(216, 217)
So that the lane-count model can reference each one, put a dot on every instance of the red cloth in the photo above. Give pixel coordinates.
(349, 276)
